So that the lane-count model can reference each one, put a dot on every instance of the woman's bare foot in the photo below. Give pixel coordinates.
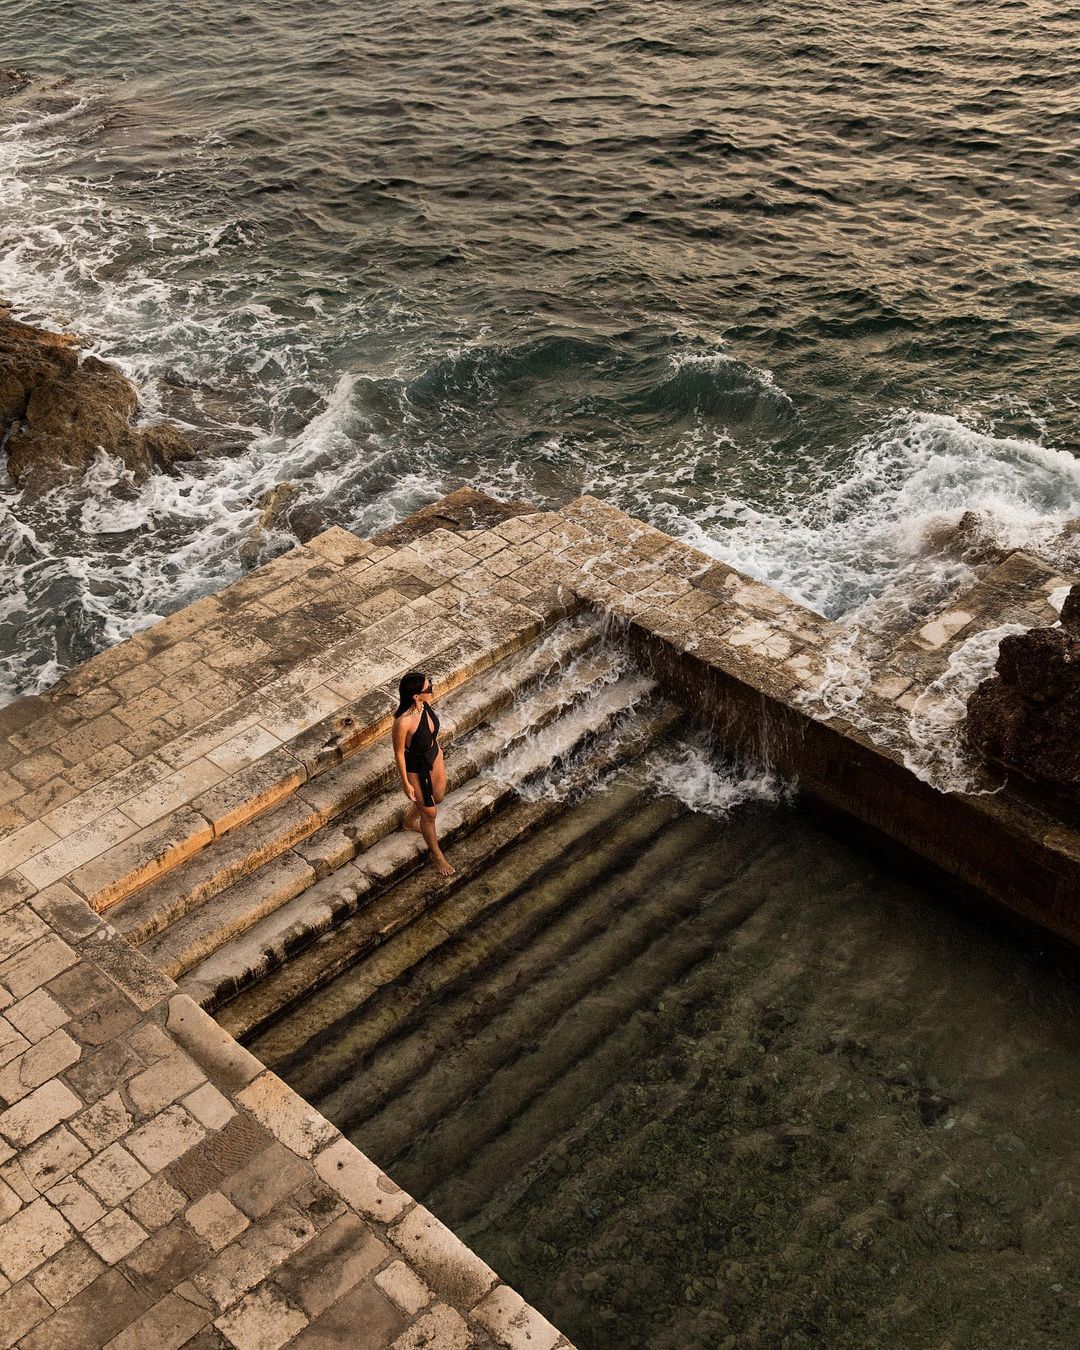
(411, 819)
(442, 865)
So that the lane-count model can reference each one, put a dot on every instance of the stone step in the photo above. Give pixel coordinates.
(482, 1112)
(341, 786)
(256, 1011)
(632, 905)
(391, 1042)
(210, 782)
(338, 842)
(593, 1047)
(362, 831)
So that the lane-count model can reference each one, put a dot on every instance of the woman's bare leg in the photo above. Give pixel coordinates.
(411, 819)
(431, 838)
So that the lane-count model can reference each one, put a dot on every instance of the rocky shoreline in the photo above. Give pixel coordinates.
(60, 407)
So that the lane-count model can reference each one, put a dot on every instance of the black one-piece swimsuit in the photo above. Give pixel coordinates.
(423, 750)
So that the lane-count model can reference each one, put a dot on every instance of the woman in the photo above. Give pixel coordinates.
(420, 763)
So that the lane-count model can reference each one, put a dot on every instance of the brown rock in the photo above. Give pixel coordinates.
(58, 408)
(273, 516)
(12, 81)
(1027, 715)
(465, 509)
(968, 539)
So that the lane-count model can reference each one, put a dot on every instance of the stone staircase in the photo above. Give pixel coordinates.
(465, 1045)
(225, 917)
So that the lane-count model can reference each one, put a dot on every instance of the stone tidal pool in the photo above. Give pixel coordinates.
(696, 1082)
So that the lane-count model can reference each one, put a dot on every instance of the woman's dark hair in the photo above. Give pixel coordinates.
(412, 683)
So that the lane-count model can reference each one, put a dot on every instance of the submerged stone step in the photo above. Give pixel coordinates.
(638, 901)
(343, 785)
(556, 1048)
(367, 840)
(482, 929)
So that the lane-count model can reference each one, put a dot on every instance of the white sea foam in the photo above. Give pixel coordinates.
(697, 773)
(940, 754)
(864, 541)
(723, 360)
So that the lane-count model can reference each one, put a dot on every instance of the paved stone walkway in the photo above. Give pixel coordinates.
(158, 1186)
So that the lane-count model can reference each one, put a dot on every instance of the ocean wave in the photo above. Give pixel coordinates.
(866, 538)
(557, 278)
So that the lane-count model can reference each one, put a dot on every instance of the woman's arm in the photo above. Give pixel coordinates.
(398, 738)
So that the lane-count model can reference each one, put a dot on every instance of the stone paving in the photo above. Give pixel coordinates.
(158, 1186)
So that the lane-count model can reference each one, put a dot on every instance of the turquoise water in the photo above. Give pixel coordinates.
(796, 285)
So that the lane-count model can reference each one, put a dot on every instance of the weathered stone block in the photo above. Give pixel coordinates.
(364, 1306)
(78, 1205)
(103, 1123)
(161, 1140)
(99, 1072)
(37, 1065)
(360, 1183)
(441, 1258)
(21, 926)
(265, 1180)
(137, 978)
(216, 1220)
(173, 791)
(25, 843)
(298, 1125)
(10, 1201)
(155, 1204)
(52, 1158)
(66, 913)
(12, 1042)
(21, 1309)
(33, 770)
(339, 546)
(67, 1274)
(142, 856)
(939, 630)
(254, 1255)
(113, 1174)
(261, 1321)
(105, 1021)
(404, 1287)
(209, 1107)
(38, 1113)
(225, 1062)
(91, 1318)
(79, 847)
(169, 1324)
(164, 1082)
(331, 1264)
(114, 1236)
(442, 1326)
(166, 1259)
(30, 1237)
(220, 1156)
(251, 791)
(513, 1323)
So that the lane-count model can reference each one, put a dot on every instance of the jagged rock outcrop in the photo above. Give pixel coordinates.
(274, 504)
(1027, 715)
(58, 408)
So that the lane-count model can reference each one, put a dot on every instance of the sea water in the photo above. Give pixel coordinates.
(798, 286)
